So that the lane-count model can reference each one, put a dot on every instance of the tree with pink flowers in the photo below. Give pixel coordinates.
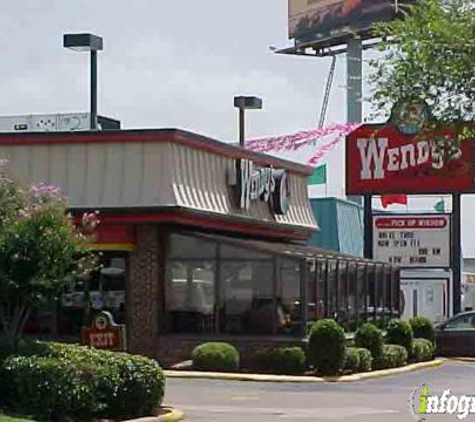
(41, 249)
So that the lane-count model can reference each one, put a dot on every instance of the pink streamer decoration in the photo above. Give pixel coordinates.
(304, 138)
(300, 139)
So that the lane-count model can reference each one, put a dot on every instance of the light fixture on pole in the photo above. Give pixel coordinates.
(92, 43)
(245, 103)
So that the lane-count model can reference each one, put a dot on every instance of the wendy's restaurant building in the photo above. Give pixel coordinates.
(200, 241)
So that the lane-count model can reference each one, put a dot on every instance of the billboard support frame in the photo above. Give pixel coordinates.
(456, 252)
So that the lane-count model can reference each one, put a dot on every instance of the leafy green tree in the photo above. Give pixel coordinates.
(40, 247)
(428, 56)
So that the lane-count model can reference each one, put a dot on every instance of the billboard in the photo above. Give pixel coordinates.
(319, 19)
(412, 240)
(388, 159)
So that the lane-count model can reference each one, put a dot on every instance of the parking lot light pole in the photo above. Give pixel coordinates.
(90, 43)
(245, 103)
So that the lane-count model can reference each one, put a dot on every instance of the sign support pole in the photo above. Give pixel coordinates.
(456, 252)
(354, 93)
(368, 227)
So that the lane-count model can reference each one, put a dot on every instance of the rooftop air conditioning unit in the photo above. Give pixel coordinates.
(62, 122)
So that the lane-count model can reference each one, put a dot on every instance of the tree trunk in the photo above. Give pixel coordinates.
(13, 318)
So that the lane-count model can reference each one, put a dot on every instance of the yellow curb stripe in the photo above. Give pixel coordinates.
(172, 415)
(302, 379)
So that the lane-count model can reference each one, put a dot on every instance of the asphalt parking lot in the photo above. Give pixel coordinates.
(384, 399)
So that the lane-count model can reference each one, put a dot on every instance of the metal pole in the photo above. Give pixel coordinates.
(355, 81)
(456, 252)
(242, 128)
(368, 227)
(354, 103)
(93, 90)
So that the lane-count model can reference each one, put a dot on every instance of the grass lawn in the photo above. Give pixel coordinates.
(5, 418)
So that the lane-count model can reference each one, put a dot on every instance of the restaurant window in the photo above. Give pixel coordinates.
(321, 308)
(191, 296)
(106, 287)
(352, 298)
(362, 297)
(332, 289)
(312, 293)
(342, 294)
(247, 297)
(288, 299)
(371, 293)
(397, 297)
(191, 284)
(382, 312)
(387, 293)
(189, 247)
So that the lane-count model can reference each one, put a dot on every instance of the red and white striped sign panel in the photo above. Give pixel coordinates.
(382, 160)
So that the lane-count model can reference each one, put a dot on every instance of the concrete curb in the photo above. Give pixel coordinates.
(171, 415)
(461, 359)
(302, 379)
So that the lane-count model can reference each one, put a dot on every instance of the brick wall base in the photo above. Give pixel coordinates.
(142, 292)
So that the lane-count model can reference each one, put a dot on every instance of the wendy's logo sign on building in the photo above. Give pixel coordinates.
(383, 160)
(262, 184)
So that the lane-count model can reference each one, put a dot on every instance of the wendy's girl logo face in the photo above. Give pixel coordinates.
(410, 118)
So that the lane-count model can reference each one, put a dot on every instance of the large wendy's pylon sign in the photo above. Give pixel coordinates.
(383, 160)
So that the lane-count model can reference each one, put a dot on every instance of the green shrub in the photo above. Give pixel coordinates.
(5, 351)
(124, 385)
(370, 337)
(221, 357)
(327, 347)
(49, 387)
(392, 356)
(422, 350)
(280, 360)
(357, 360)
(366, 360)
(352, 359)
(400, 332)
(423, 328)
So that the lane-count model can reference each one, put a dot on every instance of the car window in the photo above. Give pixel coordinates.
(462, 323)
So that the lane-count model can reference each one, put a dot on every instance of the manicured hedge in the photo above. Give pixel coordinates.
(423, 328)
(358, 360)
(280, 360)
(219, 357)
(48, 388)
(370, 337)
(121, 385)
(400, 332)
(422, 350)
(327, 347)
(392, 356)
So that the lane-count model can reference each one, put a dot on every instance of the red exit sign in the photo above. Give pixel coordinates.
(104, 333)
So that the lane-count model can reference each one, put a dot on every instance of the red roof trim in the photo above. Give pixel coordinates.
(153, 135)
(214, 223)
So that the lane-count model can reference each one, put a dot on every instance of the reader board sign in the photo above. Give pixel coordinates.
(412, 240)
(383, 160)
